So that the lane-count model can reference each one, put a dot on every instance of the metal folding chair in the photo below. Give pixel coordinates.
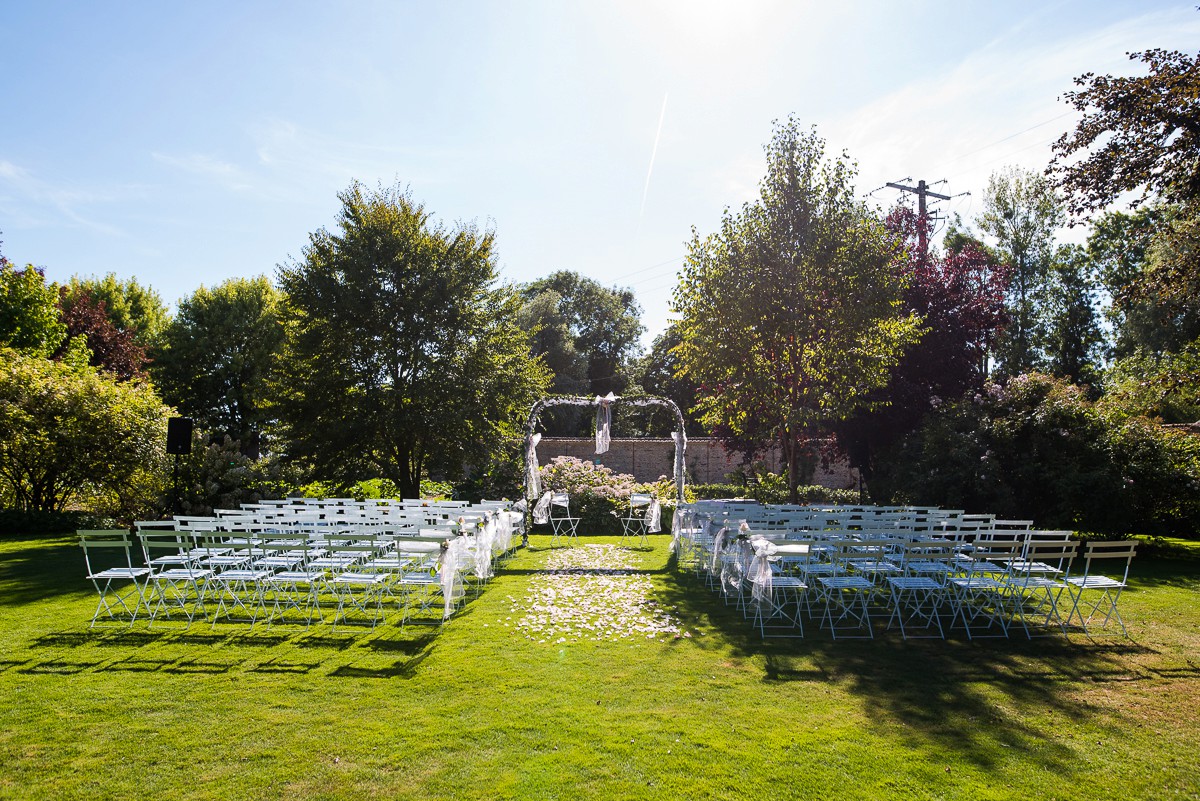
(634, 522)
(562, 524)
(176, 583)
(1094, 594)
(115, 598)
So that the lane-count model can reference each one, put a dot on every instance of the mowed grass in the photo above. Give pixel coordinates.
(477, 710)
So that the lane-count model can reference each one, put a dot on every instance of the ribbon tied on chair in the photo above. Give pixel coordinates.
(760, 573)
(541, 512)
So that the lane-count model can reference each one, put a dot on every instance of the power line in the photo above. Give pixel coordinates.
(645, 269)
(1010, 136)
(921, 190)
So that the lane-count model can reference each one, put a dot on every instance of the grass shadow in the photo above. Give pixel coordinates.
(975, 700)
(140, 665)
(42, 570)
(402, 669)
(60, 667)
(200, 666)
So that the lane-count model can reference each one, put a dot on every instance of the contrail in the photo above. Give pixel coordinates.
(646, 189)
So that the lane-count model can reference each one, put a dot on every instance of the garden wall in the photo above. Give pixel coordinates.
(707, 461)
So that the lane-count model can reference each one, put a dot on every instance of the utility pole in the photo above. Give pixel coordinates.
(921, 190)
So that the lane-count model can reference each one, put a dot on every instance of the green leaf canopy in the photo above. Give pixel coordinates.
(790, 315)
(402, 355)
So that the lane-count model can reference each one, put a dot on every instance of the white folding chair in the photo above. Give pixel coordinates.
(176, 583)
(848, 594)
(917, 595)
(775, 593)
(114, 602)
(296, 583)
(1094, 594)
(981, 594)
(1037, 580)
(361, 587)
(634, 522)
(562, 524)
(237, 585)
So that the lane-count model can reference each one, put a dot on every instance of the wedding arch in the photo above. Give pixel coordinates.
(603, 408)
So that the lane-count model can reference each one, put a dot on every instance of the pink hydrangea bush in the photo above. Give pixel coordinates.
(599, 497)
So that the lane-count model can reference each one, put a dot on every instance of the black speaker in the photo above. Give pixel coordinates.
(179, 436)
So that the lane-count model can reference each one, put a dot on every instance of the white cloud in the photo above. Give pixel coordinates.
(222, 172)
(998, 106)
(36, 202)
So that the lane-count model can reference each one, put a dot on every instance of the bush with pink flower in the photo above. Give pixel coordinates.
(599, 497)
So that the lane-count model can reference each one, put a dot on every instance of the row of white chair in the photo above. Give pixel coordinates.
(266, 569)
(923, 583)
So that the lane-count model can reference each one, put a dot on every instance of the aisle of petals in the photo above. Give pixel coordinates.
(590, 592)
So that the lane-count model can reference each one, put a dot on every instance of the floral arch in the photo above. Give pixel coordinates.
(603, 408)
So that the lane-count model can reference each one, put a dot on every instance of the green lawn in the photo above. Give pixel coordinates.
(476, 710)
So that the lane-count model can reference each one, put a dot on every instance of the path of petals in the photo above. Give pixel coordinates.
(589, 592)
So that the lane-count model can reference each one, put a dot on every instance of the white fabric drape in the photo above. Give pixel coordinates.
(717, 548)
(736, 562)
(681, 440)
(676, 526)
(760, 573)
(604, 422)
(654, 516)
(541, 512)
(450, 568)
(533, 479)
(505, 521)
(485, 536)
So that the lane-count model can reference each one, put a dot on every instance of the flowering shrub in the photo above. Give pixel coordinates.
(1037, 448)
(773, 489)
(600, 497)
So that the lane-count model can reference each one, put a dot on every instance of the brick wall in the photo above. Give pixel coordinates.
(707, 461)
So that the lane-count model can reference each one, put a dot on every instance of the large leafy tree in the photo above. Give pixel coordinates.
(134, 310)
(660, 373)
(29, 315)
(1022, 213)
(791, 314)
(109, 348)
(216, 358)
(1121, 247)
(1073, 341)
(604, 324)
(70, 434)
(959, 295)
(544, 317)
(403, 355)
(1141, 134)
(1137, 134)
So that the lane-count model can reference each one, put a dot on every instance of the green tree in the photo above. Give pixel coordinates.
(542, 315)
(1164, 386)
(216, 358)
(1037, 448)
(132, 309)
(74, 434)
(402, 355)
(791, 315)
(604, 323)
(29, 316)
(1137, 133)
(87, 323)
(1022, 213)
(660, 373)
(1141, 134)
(1074, 342)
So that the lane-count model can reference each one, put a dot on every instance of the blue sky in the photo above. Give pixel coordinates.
(185, 143)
